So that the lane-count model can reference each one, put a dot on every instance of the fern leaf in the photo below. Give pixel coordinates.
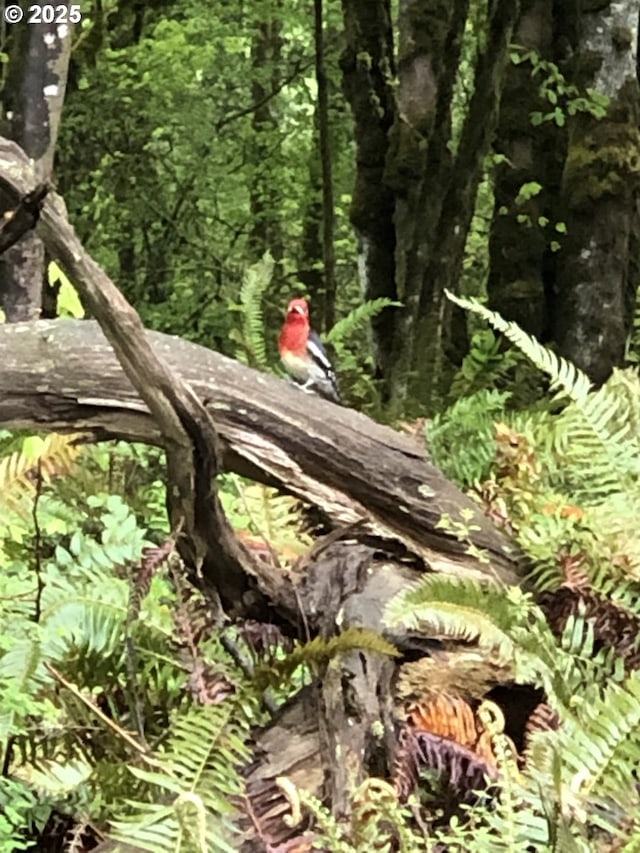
(564, 375)
(593, 436)
(357, 319)
(266, 513)
(254, 284)
(197, 772)
(319, 651)
(52, 456)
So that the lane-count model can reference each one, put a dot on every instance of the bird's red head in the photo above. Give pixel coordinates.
(298, 309)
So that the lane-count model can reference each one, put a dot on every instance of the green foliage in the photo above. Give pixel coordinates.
(352, 359)
(594, 436)
(377, 819)
(357, 321)
(317, 653)
(564, 98)
(20, 808)
(467, 423)
(178, 181)
(192, 785)
(250, 336)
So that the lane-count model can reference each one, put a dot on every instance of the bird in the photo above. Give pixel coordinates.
(303, 355)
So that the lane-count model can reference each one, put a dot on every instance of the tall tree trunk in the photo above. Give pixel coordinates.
(324, 131)
(34, 95)
(420, 162)
(265, 234)
(598, 267)
(368, 69)
(519, 255)
(448, 241)
(311, 248)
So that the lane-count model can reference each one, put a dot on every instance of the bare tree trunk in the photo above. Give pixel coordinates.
(368, 70)
(598, 267)
(36, 87)
(449, 238)
(324, 131)
(265, 234)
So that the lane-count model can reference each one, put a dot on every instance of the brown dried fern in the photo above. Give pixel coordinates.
(20, 472)
(457, 766)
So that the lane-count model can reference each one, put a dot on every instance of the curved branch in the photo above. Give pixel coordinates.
(208, 543)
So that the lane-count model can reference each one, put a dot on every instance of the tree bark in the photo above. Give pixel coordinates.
(419, 166)
(445, 260)
(324, 134)
(368, 70)
(265, 232)
(598, 267)
(521, 262)
(37, 81)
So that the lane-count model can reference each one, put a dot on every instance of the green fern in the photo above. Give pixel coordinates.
(467, 423)
(593, 438)
(266, 513)
(510, 626)
(52, 456)
(193, 788)
(565, 376)
(485, 365)
(591, 757)
(251, 335)
(357, 320)
(318, 652)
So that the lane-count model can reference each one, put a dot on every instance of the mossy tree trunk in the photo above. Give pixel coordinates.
(415, 193)
(368, 69)
(437, 329)
(598, 266)
(420, 166)
(522, 228)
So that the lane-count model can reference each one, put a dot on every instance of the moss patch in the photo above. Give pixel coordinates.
(604, 156)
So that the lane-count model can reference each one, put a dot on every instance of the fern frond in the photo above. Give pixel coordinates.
(456, 765)
(593, 755)
(565, 376)
(319, 651)
(266, 513)
(458, 608)
(53, 456)
(592, 437)
(194, 788)
(254, 284)
(468, 423)
(357, 319)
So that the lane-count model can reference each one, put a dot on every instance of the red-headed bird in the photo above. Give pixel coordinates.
(305, 359)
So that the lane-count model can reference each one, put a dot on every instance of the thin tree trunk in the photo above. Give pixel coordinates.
(597, 269)
(36, 87)
(265, 234)
(324, 130)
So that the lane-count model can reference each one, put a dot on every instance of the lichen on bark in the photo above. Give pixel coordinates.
(595, 285)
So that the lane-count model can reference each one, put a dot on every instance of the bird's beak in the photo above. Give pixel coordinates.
(296, 309)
